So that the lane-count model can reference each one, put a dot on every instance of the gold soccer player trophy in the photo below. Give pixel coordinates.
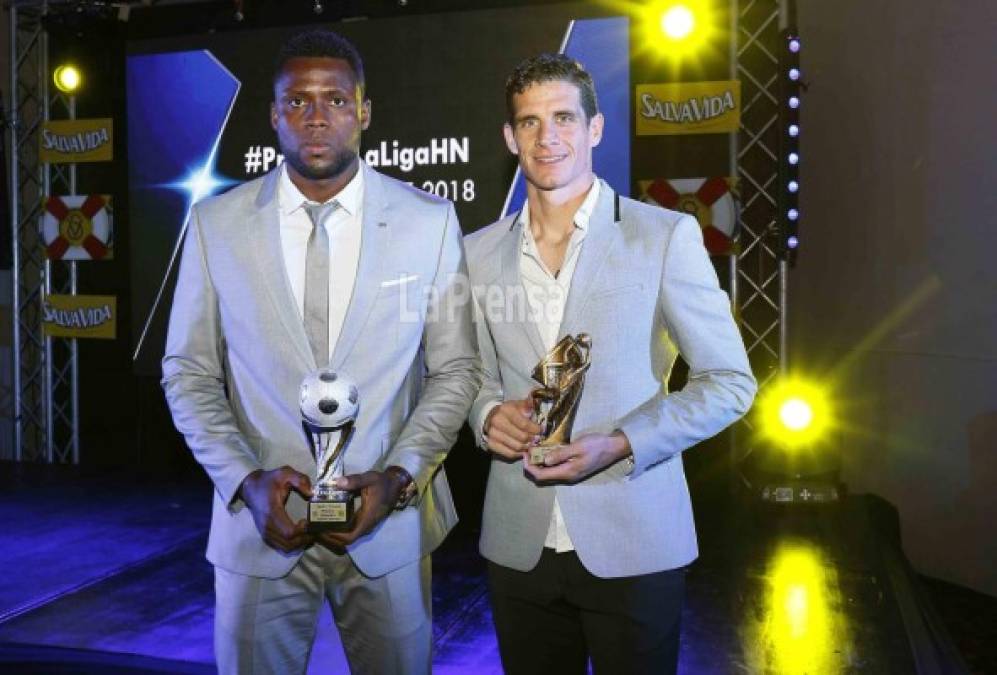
(561, 374)
(329, 405)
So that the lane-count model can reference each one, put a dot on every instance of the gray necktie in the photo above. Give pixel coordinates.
(317, 283)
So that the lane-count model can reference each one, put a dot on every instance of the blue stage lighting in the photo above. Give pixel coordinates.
(201, 182)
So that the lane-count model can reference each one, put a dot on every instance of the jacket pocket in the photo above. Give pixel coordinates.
(618, 290)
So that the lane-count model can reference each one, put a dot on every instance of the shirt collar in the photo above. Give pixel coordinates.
(350, 198)
(582, 215)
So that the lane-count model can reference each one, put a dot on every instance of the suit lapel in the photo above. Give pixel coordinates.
(513, 290)
(270, 258)
(599, 242)
(375, 242)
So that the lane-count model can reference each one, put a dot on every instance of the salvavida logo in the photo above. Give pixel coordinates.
(82, 317)
(690, 111)
(84, 141)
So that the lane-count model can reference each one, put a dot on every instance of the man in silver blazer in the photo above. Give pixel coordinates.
(586, 552)
(237, 352)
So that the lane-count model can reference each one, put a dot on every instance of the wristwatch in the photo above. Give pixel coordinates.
(409, 488)
(628, 461)
(629, 464)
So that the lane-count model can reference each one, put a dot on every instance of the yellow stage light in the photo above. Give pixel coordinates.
(794, 413)
(678, 30)
(677, 22)
(67, 78)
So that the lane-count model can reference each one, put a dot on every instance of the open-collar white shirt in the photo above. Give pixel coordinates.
(343, 226)
(547, 294)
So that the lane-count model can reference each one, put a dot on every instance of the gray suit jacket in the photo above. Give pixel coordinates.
(237, 352)
(644, 290)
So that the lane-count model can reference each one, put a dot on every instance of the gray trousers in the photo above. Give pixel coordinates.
(265, 626)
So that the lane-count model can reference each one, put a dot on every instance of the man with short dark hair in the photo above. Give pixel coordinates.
(322, 262)
(587, 550)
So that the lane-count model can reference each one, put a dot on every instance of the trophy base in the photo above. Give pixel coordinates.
(538, 453)
(333, 514)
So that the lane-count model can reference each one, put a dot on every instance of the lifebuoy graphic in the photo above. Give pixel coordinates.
(710, 200)
(78, 227)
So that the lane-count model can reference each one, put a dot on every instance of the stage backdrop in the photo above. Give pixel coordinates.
(198, 122)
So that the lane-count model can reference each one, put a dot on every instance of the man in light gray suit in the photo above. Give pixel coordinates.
(586, 552)
(392, 313)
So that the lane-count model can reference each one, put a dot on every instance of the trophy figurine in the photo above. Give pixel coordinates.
(561, 374)
(329, 404)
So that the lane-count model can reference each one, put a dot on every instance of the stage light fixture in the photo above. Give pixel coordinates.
(792, 242)
(793, 158)
(794, 457)
(794, 414)
(794, 130)
(794, 74)
(67, 78)
(794, 102)
(677, 30)
(794, 45)
(317, 7)
(793, 214)
(677, 22)
(793, 186)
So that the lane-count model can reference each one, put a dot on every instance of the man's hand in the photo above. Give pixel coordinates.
(510, 429)
(581, 458)
(266, 493)
(379, 492)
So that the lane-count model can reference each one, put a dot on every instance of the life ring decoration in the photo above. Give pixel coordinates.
(78, 227)
(710, 200)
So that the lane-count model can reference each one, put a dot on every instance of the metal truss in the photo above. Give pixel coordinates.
(45, 372)
(759, 269)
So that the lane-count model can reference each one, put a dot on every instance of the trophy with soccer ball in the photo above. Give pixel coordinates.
(329, 404)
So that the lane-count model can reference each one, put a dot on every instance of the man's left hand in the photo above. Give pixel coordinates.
(581, 458)
(379, 492)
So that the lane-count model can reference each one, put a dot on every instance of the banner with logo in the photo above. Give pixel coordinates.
(78, 227)
(87, 140)
(688, 108)
(80, 316)
(710, 200)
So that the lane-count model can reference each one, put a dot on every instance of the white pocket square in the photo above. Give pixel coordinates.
(399, 281)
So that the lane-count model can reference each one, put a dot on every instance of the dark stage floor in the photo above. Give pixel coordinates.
(104, 575)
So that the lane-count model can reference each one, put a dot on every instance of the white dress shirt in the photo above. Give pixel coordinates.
(547, 295)
(343, 227)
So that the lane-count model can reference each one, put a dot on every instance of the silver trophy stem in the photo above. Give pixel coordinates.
(329, 458)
